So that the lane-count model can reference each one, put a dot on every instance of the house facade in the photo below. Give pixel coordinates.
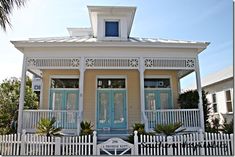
(219, 86)
(103, 75)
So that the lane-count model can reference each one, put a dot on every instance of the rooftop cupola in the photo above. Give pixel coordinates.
(111, 23)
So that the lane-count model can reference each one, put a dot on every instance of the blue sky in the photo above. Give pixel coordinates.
(197, 20)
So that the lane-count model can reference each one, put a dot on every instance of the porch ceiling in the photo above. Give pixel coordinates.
(183, 73)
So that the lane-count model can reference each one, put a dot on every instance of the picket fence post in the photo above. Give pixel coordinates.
(136, 151)
(23, 142)
(201, 139)
(94, 143)
(169, 145)
(57, 146)
(232, 144)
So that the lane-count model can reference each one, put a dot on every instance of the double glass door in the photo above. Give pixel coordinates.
(111, 109)
(158, 99)
(65, 103)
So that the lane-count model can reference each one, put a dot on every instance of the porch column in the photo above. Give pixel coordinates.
(199, 89)
(142, 100)
(81, 86)
(22, 95)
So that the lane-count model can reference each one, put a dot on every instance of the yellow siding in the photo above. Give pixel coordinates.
(46, 83)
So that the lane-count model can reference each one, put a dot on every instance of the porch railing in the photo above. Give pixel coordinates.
(190, 118)
(65, 119)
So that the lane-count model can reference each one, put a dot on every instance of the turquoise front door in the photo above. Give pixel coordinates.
(158, 99)
(111, 109)
(65, 102)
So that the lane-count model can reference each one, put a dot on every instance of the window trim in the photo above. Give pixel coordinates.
(111, 77)
(159, 77)
(63, 77)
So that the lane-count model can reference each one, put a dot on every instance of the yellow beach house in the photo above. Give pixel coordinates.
(103, 75)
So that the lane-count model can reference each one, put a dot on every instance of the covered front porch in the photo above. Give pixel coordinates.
(165, 111)
(70, 120)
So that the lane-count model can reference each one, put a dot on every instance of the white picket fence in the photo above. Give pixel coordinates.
(189, 144)
(36, 145)
(197, 143)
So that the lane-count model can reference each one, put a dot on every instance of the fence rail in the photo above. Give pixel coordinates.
(190, 118)
(197, 143)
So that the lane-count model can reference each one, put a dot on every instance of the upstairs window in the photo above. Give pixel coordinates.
(214, 103)
(228, 101)
(111, 29)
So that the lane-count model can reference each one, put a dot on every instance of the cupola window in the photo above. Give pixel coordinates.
(111, 29)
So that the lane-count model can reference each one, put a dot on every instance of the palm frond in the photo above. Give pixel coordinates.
(6, 8)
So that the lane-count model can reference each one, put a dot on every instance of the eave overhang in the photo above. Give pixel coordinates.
(27, 44)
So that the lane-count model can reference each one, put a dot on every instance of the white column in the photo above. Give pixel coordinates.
(22, 95)
(141, 70)
(81, 85)
(41, 94)
(199, 89)
(142, 99)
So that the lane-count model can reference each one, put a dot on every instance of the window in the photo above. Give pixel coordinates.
(111, 83)
(111, 29)
(64, 83)
(157, 83)
(228, 101)
(214, 102)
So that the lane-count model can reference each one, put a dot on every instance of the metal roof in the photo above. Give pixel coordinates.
(218, 76)
(83, 39)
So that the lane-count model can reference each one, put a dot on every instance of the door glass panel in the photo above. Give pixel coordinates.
(57, 100)
(71, 105)
(164, 100)
(71, 101)
(104, 108)
(118, 108)
(150, 101)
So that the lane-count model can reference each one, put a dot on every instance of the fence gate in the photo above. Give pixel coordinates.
(115, 146)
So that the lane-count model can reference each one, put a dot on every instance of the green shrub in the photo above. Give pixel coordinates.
(46, 127)
(189, 99)
(169, 129)
(140, 128)
(227, 127)
(86, 128)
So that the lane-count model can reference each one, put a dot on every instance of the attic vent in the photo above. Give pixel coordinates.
(161, 63)
(116, 63)
(43, 63)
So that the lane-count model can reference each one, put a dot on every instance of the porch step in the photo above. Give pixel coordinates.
(103, 135)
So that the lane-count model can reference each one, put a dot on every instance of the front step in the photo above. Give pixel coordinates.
(103, 135)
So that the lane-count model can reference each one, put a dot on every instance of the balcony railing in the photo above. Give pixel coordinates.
(190, 118)
(68, 120)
